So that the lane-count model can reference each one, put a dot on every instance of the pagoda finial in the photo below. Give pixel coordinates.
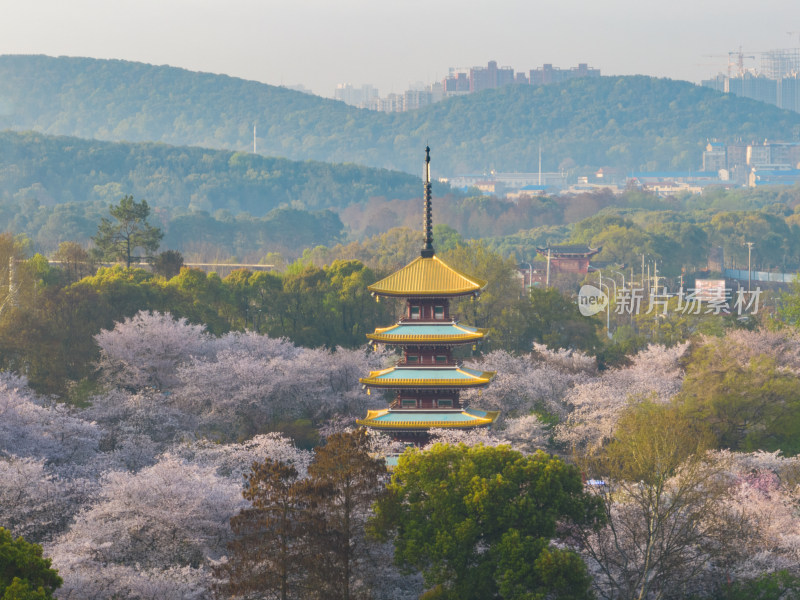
(427, 249)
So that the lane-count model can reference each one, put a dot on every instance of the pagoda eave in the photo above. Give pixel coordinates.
(444, 340)
(424, 295)
(400, 421)
(422, 384)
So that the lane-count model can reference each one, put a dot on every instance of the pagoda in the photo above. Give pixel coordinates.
(428, 379)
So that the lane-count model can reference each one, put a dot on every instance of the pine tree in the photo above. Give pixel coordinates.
(118, 241)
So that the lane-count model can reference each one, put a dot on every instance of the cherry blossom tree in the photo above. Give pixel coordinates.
(525, 434)
(764, 493)
(241, 391)
(525, 383)
(172, 515)
(233, 461)
(596, 405)
(783, 345)
(136, 427)
(34, 502)
(92, 580)
(144, 350)
(32, 426)
(468, 437)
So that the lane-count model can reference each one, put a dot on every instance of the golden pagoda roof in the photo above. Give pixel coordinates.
(427, 277)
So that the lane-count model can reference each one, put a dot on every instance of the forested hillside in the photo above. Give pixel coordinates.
(55, 170)
(628, 122)
(210, 203)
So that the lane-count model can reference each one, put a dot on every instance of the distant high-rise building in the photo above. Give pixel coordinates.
(548, 74)
(413, 99)
(715, 157)
(354, 96)
(777, 64)
(789, 92)
(459, 81)
(775, 83)
(456, 83)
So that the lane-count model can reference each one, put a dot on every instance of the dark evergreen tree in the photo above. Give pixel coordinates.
(344, 481)
(119, 241)
(24, 573)
(268, 543)
(168, 264)
(304, 538)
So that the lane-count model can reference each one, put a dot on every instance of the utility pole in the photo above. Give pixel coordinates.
(530, 276)
(547, 278)
(749, 272)
(540, 164)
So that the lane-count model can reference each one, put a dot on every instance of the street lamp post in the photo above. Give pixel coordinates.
(623, 277)
(749, 272)
(530, 276)
(608, 306)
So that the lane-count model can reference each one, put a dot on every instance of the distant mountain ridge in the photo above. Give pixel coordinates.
(632, 123)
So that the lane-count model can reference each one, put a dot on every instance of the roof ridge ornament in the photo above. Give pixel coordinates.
(427, 249)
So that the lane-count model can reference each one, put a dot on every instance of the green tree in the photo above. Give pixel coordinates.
(478, 522)
(24, 573)
(748, 405)
(119, 240)
(168, 264)
(499, 299)
(74, 260)
(554, 320)
(789, 310)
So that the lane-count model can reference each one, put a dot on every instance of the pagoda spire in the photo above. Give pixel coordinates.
(427, 249)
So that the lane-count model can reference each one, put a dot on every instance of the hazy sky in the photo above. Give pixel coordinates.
(391, 43)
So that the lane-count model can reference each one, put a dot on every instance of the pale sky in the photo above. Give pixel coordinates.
(392, 43)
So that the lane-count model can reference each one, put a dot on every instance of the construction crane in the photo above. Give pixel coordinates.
(721, 56)
(735, 58)
(739, 60)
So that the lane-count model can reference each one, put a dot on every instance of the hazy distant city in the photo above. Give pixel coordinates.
(775, 81)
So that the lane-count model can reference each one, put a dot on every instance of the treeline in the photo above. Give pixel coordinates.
(678, 233)
(198, 235)
(46, 327)
(639, 123)
(55, 170)
(48, 321)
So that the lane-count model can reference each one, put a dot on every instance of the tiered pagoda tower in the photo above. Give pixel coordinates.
(428, 378)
